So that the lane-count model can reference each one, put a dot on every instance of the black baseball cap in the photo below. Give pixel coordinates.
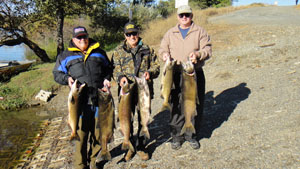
(130, 27)
(79, 31)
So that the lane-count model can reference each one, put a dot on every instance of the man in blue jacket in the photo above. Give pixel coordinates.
(85, 61)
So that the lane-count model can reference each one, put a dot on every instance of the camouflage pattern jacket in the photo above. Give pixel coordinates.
(129, 62)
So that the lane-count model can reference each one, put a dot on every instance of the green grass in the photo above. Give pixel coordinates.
(22, 88)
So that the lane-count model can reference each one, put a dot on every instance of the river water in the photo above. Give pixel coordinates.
(18, 129)
(9, 53)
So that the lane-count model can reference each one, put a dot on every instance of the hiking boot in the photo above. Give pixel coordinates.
(144, 156)
(175, 145)
(194, 144)
(128, 155)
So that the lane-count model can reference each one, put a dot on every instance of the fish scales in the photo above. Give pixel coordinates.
(74, 108)
(189, 96)
(125, 115)
(166, 83)
(144, 104)
(105, 123)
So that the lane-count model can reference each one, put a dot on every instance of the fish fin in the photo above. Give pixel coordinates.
(165, 107)
(121, 131)
(145, 132)
(188, 128)
(72, 100)
(112, 138)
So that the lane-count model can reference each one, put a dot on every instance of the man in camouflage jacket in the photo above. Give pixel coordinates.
(134, 58)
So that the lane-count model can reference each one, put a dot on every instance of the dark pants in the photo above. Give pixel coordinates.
(177, 116)
(87, 132)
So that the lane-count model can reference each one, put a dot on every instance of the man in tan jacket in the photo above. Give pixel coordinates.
(185, 41)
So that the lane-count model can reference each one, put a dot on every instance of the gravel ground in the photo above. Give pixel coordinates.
(252, 106)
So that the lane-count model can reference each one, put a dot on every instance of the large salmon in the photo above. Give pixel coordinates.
(74, 108)
(144, 104)
(189, 96)
(125, 115)
(105, 123)
(166, 83)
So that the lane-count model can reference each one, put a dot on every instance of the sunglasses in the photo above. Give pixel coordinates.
(187, 15)
(132, 33)
(82, 37)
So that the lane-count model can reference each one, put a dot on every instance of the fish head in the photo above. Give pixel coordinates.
(188, 67)
(77, 87)
(125, 89)
(103, 95)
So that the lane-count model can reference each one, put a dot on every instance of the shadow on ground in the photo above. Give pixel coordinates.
(218, 109)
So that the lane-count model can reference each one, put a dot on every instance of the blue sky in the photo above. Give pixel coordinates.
(271, 2)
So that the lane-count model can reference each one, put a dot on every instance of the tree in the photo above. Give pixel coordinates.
(16, 18)
(57, 10)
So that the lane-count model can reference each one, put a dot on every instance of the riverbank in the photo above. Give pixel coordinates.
(20, 90)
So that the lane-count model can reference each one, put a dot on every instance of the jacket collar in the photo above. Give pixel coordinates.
(192, 28)
(127, 47)
(92, 45)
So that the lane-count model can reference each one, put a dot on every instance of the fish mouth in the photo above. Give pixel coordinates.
(190, 74)
(124, 93)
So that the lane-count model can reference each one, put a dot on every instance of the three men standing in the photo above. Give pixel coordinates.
(88, 63)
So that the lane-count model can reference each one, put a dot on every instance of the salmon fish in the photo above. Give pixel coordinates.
(166, 83)
(125, 115)
(74, 108)
(105, 123)
(144, 104)
(189, 96)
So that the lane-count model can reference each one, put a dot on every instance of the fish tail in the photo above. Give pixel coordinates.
(145, 132)
(128, 145)
(103, 156)
(74, 136)
(188, 128)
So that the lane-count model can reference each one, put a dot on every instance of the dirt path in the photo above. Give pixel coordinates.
(252, 107)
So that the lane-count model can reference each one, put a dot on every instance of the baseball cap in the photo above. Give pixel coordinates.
(79, 31)
(184, 9)
(130, 27)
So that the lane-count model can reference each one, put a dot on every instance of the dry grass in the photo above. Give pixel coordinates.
(155, 30)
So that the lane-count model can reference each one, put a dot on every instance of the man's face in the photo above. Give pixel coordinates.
(132, 38)
(82, 42)
(185, 19)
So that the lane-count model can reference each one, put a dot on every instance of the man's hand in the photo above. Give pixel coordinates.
(106, 85)
(165, 56)
(123, 81)
(147, 75)
(70, 81)
(193, 57)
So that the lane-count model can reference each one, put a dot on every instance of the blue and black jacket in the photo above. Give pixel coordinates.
(90, 68)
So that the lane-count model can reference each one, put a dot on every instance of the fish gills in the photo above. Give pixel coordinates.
(166, 84)
(105, 123)
(74, 108)
(144, 103)
(125, 115)
(189, 95)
